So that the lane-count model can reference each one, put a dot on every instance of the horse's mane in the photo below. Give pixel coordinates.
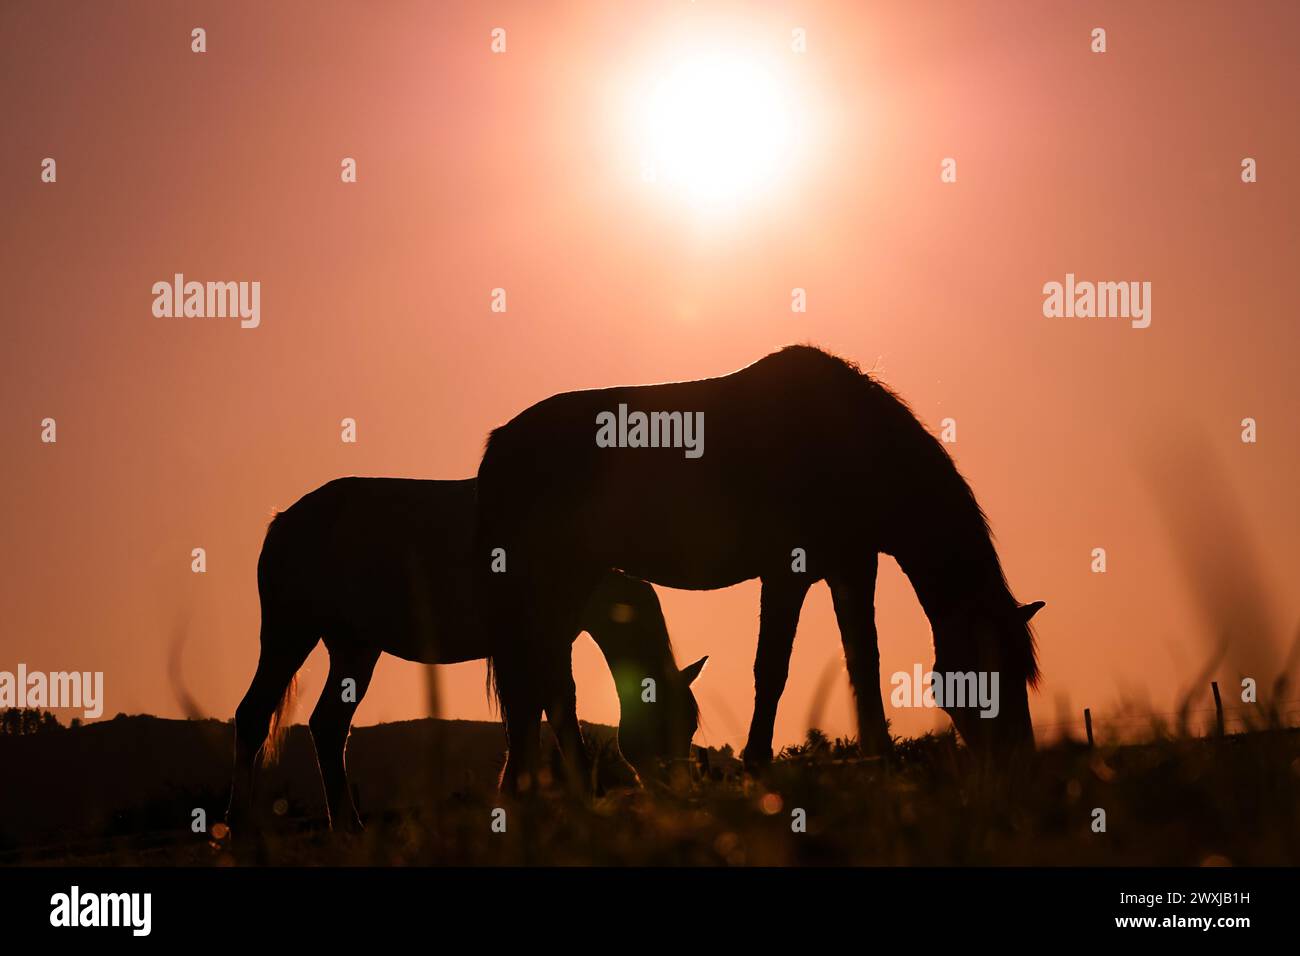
(910, 427)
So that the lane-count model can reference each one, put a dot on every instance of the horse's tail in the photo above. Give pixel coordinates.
(493, 686)
(275, 739)
(283, 653)
(493, 448)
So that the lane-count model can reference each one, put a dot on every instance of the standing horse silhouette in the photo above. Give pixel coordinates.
(803, 455)
(375, 565)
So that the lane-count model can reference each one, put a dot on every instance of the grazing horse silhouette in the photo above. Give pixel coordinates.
(804, 459)
(375, 565)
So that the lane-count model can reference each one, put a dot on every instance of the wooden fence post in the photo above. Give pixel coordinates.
(1087, 723)
(1218, 706)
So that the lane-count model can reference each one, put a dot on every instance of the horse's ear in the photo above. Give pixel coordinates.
(1027, 611)
(692, 671)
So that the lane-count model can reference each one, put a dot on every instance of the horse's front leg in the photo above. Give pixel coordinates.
(781, 601)
(350, 659)
(853, 592)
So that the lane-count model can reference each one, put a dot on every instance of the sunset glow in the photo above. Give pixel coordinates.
(717, 127)
(781, 180)
(547, 437)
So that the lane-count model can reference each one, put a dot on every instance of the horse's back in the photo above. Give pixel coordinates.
(383, 560)
(764, 467)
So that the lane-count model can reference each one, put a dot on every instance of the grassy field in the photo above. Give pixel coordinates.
(1191, 802)
(1182, 803)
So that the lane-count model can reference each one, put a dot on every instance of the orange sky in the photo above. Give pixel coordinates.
(479, 171)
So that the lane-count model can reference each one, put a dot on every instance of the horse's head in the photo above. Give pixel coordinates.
(658, 719)
(984, 660)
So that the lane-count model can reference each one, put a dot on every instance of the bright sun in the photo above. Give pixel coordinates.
(717, 127)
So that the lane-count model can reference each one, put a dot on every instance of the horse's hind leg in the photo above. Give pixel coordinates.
(351, 666)
(781, 601)
(534, 672)
(853, 593)
(284, 649)
(521, 708)
(562, 711)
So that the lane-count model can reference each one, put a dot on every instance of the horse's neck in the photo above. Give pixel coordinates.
(629, 648)
(941, 588)
(950, 560)
(633, 650)
(630, 670)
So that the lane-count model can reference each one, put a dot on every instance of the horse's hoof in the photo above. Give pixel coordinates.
(882, 748)
(520, 784)
(756, 762)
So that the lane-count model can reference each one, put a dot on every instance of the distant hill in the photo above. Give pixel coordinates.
(142, 774)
